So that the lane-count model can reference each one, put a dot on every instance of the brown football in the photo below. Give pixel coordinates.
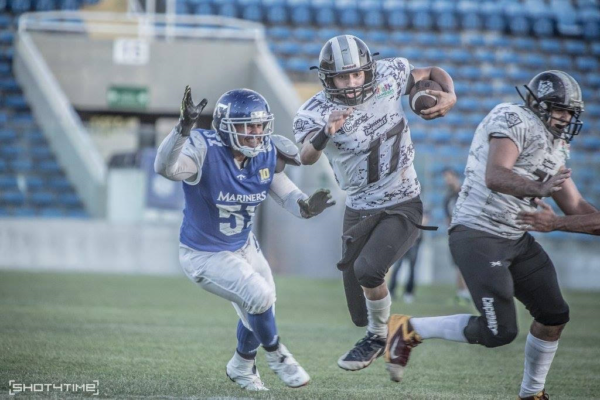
(419, 100)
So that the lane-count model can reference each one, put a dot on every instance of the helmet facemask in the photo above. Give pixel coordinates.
(228, 125)
(359, 94)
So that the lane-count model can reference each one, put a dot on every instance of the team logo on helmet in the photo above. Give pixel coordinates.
(545, 88)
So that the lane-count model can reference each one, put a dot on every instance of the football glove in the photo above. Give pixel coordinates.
(189, 112)
(316, 204)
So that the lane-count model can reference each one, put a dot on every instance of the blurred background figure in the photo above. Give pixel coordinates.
(452, 180)
(411, 256)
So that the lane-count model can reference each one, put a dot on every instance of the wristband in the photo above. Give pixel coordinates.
(319, 141)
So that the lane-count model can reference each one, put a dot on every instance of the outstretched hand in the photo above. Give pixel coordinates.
(189, 112)
(445, 102)
(316, 204)
(541, 221)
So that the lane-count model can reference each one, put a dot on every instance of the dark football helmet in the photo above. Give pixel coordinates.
(342, 55)
(243, 106)
(555, 90)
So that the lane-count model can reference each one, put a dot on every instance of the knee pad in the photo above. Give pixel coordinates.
(554, 317)
(367, 274)
(477, 332)
(261, 302)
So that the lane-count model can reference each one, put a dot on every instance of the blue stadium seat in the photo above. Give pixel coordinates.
(469, 15)
(59, 183)
(440, 136)
(48, 167)
(40, 153)
(16, 101)
(51, 212)
(68, 5)
(279, 32)
(42, 198)
(69, 200)
(426, 38)
(7, 135)
(300, 12)
(4, 68)
(575, 47)
(446, 18)
(77, 214)
(24, 212)
(467, 104)
(493, 18)
(3, 166)
(5, 20)
(45, 5)
(311, 50)
(518, 22)
(253, 12)
(566, 19)
(464, 137)
(201, 8)
(20, 6)
(524, 43)
(34, 183)
(13, 197)
(397, 16)
(376, 36)
(8, 84)
(533, 60)
(507, 57)
(373, 16)
(587, 63)
(297, 64)
(8, 182)
(277, 12)
(324, 13)
(433, 56)
(475, 40)
(451, 39)
(401, 38)
(485, 56)
(560, 62)
(327, 33)
(304, 34)
(459, 55)
(593, 80)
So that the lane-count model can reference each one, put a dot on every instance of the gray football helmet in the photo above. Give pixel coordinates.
(342, 55)
(553, 90)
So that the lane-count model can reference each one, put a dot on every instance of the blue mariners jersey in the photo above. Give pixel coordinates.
(219, 208)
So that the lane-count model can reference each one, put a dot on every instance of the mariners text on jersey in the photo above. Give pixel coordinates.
(219, 207)
(372, 154)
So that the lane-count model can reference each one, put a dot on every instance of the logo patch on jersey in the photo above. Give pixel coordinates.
(351, 124)
(300, 124)
(545, 88)
(371, 128)
(512, 119)
(264, 175)
(241, 177)
(384, 90)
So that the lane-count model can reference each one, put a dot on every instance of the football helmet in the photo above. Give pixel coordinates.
(243, 107)
(555, 90)
(342, 55)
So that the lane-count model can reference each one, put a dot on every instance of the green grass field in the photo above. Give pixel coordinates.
(163, 337)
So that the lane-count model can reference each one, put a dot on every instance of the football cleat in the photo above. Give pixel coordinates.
(539, 396)
(287, 368)
(365, 351)
(244, 373)
(401, 340)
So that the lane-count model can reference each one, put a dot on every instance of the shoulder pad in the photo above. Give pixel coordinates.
(286, 150)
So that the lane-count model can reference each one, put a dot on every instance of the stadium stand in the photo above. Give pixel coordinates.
(488, 47)
(32, 183)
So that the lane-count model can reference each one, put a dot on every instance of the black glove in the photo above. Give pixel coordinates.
(316, 204)
(189, 112)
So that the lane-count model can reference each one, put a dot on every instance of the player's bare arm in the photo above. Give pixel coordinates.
(169, 161)
(445, 98)
(500, 177)
(546, 220)
(315, 142)
(570, 200)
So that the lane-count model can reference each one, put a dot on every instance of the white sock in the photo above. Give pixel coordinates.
(379, 313)
(449, 327)
(538, 358)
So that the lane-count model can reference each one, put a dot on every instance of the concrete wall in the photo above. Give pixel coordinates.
(152, 248)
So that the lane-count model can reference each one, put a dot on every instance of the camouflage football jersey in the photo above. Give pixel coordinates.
(372, 154)
(541, 156)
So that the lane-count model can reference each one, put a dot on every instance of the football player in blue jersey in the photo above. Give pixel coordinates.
(228, 172)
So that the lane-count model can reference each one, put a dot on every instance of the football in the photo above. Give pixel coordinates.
(419, 100)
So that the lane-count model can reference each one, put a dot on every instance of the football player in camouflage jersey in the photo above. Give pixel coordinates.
(358, 122)
(518, 155)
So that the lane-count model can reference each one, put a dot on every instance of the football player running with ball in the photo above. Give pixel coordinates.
(518, 155)
(357, 120)
(227, 172)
